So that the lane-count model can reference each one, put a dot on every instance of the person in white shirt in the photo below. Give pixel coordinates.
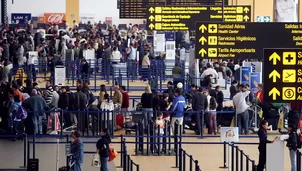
(242, 109)
(209, 71)
(116, 55)
(107, 108)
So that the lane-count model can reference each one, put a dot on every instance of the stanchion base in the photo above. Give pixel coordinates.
(223, 167)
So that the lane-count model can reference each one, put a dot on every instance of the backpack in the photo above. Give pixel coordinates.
(20, 113)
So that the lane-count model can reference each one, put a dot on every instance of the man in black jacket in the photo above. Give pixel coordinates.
(218, 95)
(80, 104)
(199, 104)
(85, 71)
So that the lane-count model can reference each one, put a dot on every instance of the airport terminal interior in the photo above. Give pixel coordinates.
(147, 85)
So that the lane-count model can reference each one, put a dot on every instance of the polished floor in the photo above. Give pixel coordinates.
(210, 156)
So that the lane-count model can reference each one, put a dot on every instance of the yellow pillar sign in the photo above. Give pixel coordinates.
(289, 93)
(274, 93)
(289, 58)
(274, 57)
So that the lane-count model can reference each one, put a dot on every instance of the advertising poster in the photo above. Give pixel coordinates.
(60, 75)
(20, 18)
(54, 18)
(256, 66)
(244, 74)
(255, 79)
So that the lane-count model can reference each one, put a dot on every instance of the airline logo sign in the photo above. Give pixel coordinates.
(54, 18)
(282, 75)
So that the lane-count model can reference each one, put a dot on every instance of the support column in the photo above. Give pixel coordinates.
(4, 15)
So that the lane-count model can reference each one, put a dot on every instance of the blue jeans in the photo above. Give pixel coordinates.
(77, 166)
(243, 121)
(148, 114)
(293, 159)
(104, 164)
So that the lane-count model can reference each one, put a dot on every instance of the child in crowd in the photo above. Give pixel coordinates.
(159, 122)
(212, 116)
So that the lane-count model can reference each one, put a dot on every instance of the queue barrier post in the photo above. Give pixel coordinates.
(224, 156)
(241, 160)
(232, 156)
(28, 152)
(202, 124)
(180, 158)
(184, 161)
(191, 163)
(237, 157)
(25, 141)
(122, 150)
(137, 167)
(254, 166)
(247, 163)
(158, 140)
(34, 146)
(196, 166)
(136, 139)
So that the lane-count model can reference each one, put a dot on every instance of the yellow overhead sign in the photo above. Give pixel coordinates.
(246, 40)
(282, 75)
(174, 18)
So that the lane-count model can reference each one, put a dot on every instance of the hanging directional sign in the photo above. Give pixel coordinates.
(244, 40)
(263, 19)
(282, 75)
(137, 9)
(173, 18)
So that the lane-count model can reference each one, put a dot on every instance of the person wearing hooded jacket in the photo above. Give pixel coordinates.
(102, 147)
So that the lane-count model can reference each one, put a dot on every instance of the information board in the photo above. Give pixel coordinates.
(137, 9)
(282, 75)
(173, 18)
(244, 40)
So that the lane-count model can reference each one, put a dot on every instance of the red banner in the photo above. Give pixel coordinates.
(54, 18)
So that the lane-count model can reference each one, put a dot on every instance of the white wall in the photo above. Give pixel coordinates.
(35, 7)
(103, 9)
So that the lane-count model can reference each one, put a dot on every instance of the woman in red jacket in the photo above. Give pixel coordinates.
(259, 94)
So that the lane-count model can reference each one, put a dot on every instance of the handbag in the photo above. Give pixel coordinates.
(112, 154)
(96, 162)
